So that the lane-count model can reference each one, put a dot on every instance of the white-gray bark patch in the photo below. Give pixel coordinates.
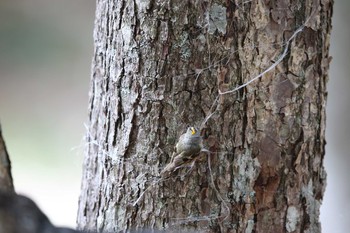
(217, 19)
(293, 217)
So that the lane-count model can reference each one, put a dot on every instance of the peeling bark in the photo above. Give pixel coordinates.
(157, 68)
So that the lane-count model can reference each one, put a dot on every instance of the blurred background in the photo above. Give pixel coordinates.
(46, 49)
(45, 56)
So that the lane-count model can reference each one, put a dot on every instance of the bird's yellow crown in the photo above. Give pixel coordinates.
(193, 130)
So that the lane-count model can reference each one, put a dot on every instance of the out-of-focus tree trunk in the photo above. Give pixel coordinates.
(6, 182)
(157, 68)
(19, 214)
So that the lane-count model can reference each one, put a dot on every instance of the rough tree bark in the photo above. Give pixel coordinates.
(157, 68)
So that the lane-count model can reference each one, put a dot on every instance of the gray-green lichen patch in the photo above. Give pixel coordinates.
(293, 217)
(312, 207)
(248, 169)
(202, 42)
(217, 19)
(250, 226)
(184, 45)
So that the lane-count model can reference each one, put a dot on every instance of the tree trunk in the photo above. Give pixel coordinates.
(6, 182)
(158, 67)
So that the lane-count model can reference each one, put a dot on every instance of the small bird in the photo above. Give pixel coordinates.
(187, 149)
